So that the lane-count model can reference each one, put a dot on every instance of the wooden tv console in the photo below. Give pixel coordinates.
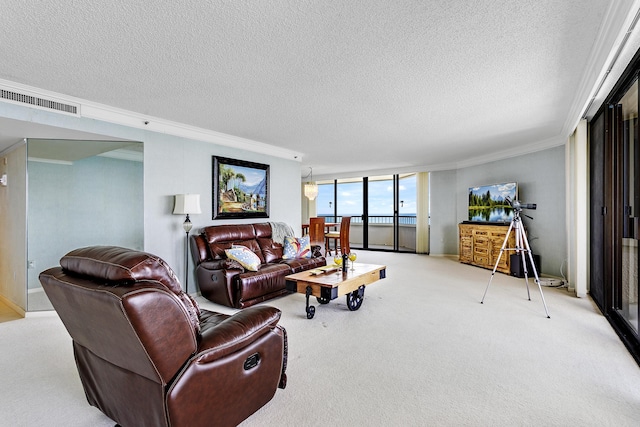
(480, 245)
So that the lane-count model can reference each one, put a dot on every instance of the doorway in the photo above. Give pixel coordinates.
(80, 193)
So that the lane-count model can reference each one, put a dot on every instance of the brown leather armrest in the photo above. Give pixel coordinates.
(199, 249)
(236, 332)
(222, 264)
(218, 264)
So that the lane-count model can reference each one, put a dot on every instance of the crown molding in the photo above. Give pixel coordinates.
(475, 161)
(618, 22)
(520, 150)
(109, 114)
(154, 124)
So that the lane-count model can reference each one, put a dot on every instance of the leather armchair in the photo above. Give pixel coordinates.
(148, 356)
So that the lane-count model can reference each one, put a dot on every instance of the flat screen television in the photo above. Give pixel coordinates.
(488, 203)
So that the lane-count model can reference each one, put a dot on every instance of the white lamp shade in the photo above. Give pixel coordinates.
(187, 204)
(311, 190)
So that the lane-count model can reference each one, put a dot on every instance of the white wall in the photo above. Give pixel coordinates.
(443, 211)
(172, 165)
(541, 180)
(96, 200)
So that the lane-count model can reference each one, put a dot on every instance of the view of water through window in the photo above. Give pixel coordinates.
(346, 197)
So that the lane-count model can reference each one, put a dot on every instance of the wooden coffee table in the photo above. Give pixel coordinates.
(330, 285)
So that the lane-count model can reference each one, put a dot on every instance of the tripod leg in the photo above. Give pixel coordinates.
(521, 251)
(535, 273)
(495, 267)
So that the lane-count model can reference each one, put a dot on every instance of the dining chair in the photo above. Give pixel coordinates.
(340, 238)
(316, 233)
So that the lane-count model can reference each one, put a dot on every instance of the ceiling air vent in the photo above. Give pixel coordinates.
(38, 102)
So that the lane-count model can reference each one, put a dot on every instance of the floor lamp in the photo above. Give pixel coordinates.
(186, 204)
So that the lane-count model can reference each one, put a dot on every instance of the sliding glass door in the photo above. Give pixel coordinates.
(382, 210)
(350, 202)
(625, 124)
(381, 224)
(407, 212)
(325, 202)
(615, 212)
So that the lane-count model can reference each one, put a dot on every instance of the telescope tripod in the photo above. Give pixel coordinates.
(522, 247)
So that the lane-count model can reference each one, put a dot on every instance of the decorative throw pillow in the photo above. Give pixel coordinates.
(245, 257)
(295, 247)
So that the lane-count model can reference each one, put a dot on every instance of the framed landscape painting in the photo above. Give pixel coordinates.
(240, 189)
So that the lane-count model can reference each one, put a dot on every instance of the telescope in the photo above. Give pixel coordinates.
(518, 205)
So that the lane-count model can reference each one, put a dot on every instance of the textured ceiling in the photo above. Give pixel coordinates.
(352, 85)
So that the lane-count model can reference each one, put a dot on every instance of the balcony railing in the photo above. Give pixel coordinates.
(375, 219)
(381, 231)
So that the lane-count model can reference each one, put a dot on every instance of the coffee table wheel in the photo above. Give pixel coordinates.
(311, 311)
(323, 300)
(355, 298)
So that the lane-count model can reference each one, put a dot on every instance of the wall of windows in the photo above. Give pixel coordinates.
(382, 210)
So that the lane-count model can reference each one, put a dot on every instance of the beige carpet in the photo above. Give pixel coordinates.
(421, 351)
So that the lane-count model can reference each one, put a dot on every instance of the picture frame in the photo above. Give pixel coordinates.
(240, 189)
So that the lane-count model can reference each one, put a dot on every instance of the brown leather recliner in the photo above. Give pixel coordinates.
(148, 356)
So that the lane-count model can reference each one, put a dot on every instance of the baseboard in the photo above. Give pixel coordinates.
(12, 306)
(41, 313)
(450, 256)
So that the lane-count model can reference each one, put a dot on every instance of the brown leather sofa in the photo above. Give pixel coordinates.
(148, 356)
(226, 282)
